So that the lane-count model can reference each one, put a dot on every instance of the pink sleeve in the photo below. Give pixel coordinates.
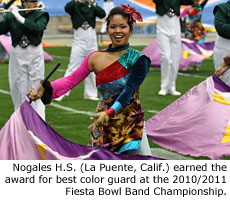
(64, 84)
(184, 12)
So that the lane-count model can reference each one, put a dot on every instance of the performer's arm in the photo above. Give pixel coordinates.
(99, 11)
(61, 86)
(64, 84)
(136, 77)
(69, 7)
(39, 25)
(185, 11)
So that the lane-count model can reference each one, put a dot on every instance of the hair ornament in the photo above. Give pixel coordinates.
(134, 15)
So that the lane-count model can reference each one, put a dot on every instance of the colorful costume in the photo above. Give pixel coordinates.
(118, 85)
(194, 29)
(119, 82)
(27, 137)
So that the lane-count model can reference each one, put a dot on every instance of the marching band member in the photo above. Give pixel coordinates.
(26, 64)
(83, 15)
(169, 41)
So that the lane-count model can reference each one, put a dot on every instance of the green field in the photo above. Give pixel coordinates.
(72, 125)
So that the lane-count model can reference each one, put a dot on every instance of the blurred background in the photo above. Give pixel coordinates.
(60, 24)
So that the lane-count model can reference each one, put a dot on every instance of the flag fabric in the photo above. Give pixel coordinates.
(27, 137)
(5, 42)
(191, 52)
(197, 123)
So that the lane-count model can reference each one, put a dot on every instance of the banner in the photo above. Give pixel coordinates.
(27, 137)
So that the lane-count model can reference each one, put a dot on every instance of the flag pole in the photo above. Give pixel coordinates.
(38, 87)
(50, 73)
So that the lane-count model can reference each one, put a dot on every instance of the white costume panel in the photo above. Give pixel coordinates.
(107, 6)
(85, 41)
(26, 70)
(144, 147)
(169, 42)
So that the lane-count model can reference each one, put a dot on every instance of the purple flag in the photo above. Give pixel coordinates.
(191, 52)
(27, 137)
(197, 123)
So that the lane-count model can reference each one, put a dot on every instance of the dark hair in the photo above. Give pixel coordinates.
(119, 11)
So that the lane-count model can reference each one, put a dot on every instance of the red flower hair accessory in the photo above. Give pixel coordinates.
(134, 15)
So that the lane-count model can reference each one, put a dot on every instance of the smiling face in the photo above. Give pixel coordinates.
(119, 30)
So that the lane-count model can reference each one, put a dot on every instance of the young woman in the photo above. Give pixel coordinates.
(120, 70)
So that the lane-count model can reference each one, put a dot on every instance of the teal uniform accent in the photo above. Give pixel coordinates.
(132, 145)
(129, 58)
(116, 106)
